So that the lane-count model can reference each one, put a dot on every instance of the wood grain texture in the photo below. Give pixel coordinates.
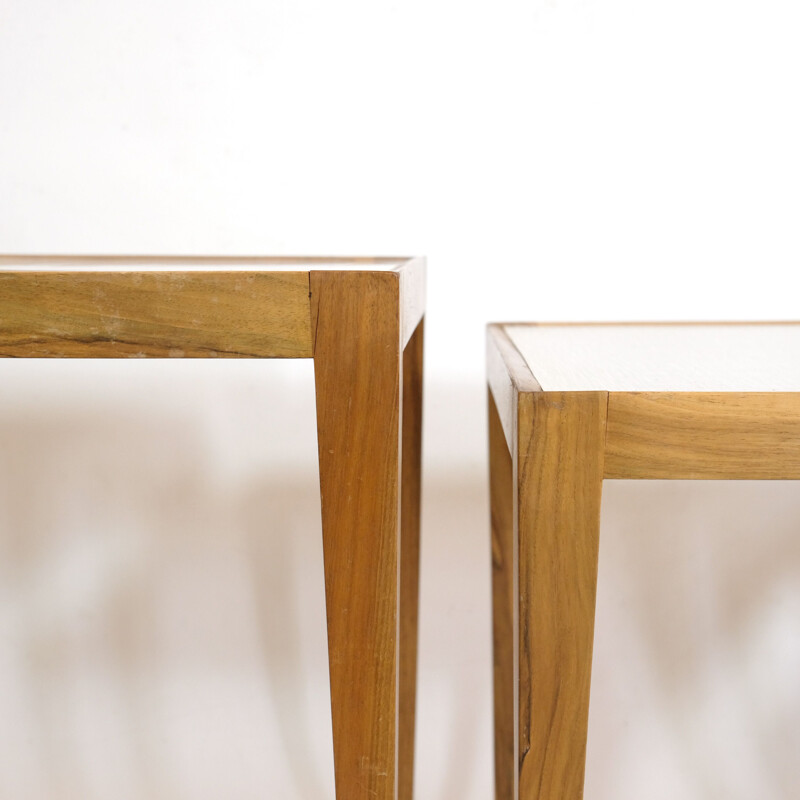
(728, 435)
(410, 497)
(158, 314)
(357, 364)
(505, 630)
(507, 373)
(559, 474)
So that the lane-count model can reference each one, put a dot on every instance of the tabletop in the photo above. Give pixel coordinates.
(716, 401)
(654, 357)
(168, 263)
(138, 306)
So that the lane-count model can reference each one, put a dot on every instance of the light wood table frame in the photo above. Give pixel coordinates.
(361, 320)
(570, 406)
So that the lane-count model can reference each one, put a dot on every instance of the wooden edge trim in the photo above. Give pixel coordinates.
(413, 281)
(507, 374)
(154, 314)
(703, 435)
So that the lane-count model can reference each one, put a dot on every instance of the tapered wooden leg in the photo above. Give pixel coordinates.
(358, 373)
(409, 556)
(504, 592)
(559, 473)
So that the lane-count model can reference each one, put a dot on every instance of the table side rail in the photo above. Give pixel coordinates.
(703, 435)
(145, 314)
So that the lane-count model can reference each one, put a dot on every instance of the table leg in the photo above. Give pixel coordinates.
(358, 368)
(559, 474)
(409, 556)
(504, 591)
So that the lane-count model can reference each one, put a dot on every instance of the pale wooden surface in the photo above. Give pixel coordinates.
(559, 475)
(358, 372)
(662, 357)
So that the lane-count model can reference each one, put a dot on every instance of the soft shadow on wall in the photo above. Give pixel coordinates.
(697, 646)
(162, 609)
(162, 605)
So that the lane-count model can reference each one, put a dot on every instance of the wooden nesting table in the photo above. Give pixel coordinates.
(570, 406)
(361, 320)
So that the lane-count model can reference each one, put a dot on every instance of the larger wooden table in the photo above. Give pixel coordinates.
(361, 320)
(570, 406)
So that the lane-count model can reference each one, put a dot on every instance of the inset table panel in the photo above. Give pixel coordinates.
(662, 357)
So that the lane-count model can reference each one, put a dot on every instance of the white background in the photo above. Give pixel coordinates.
(571, 159)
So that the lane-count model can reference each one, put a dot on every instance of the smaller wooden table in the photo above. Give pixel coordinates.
(570, 406)
(361, 320)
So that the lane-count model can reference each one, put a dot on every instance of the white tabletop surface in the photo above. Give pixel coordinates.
(14, 263)
(662, 357)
